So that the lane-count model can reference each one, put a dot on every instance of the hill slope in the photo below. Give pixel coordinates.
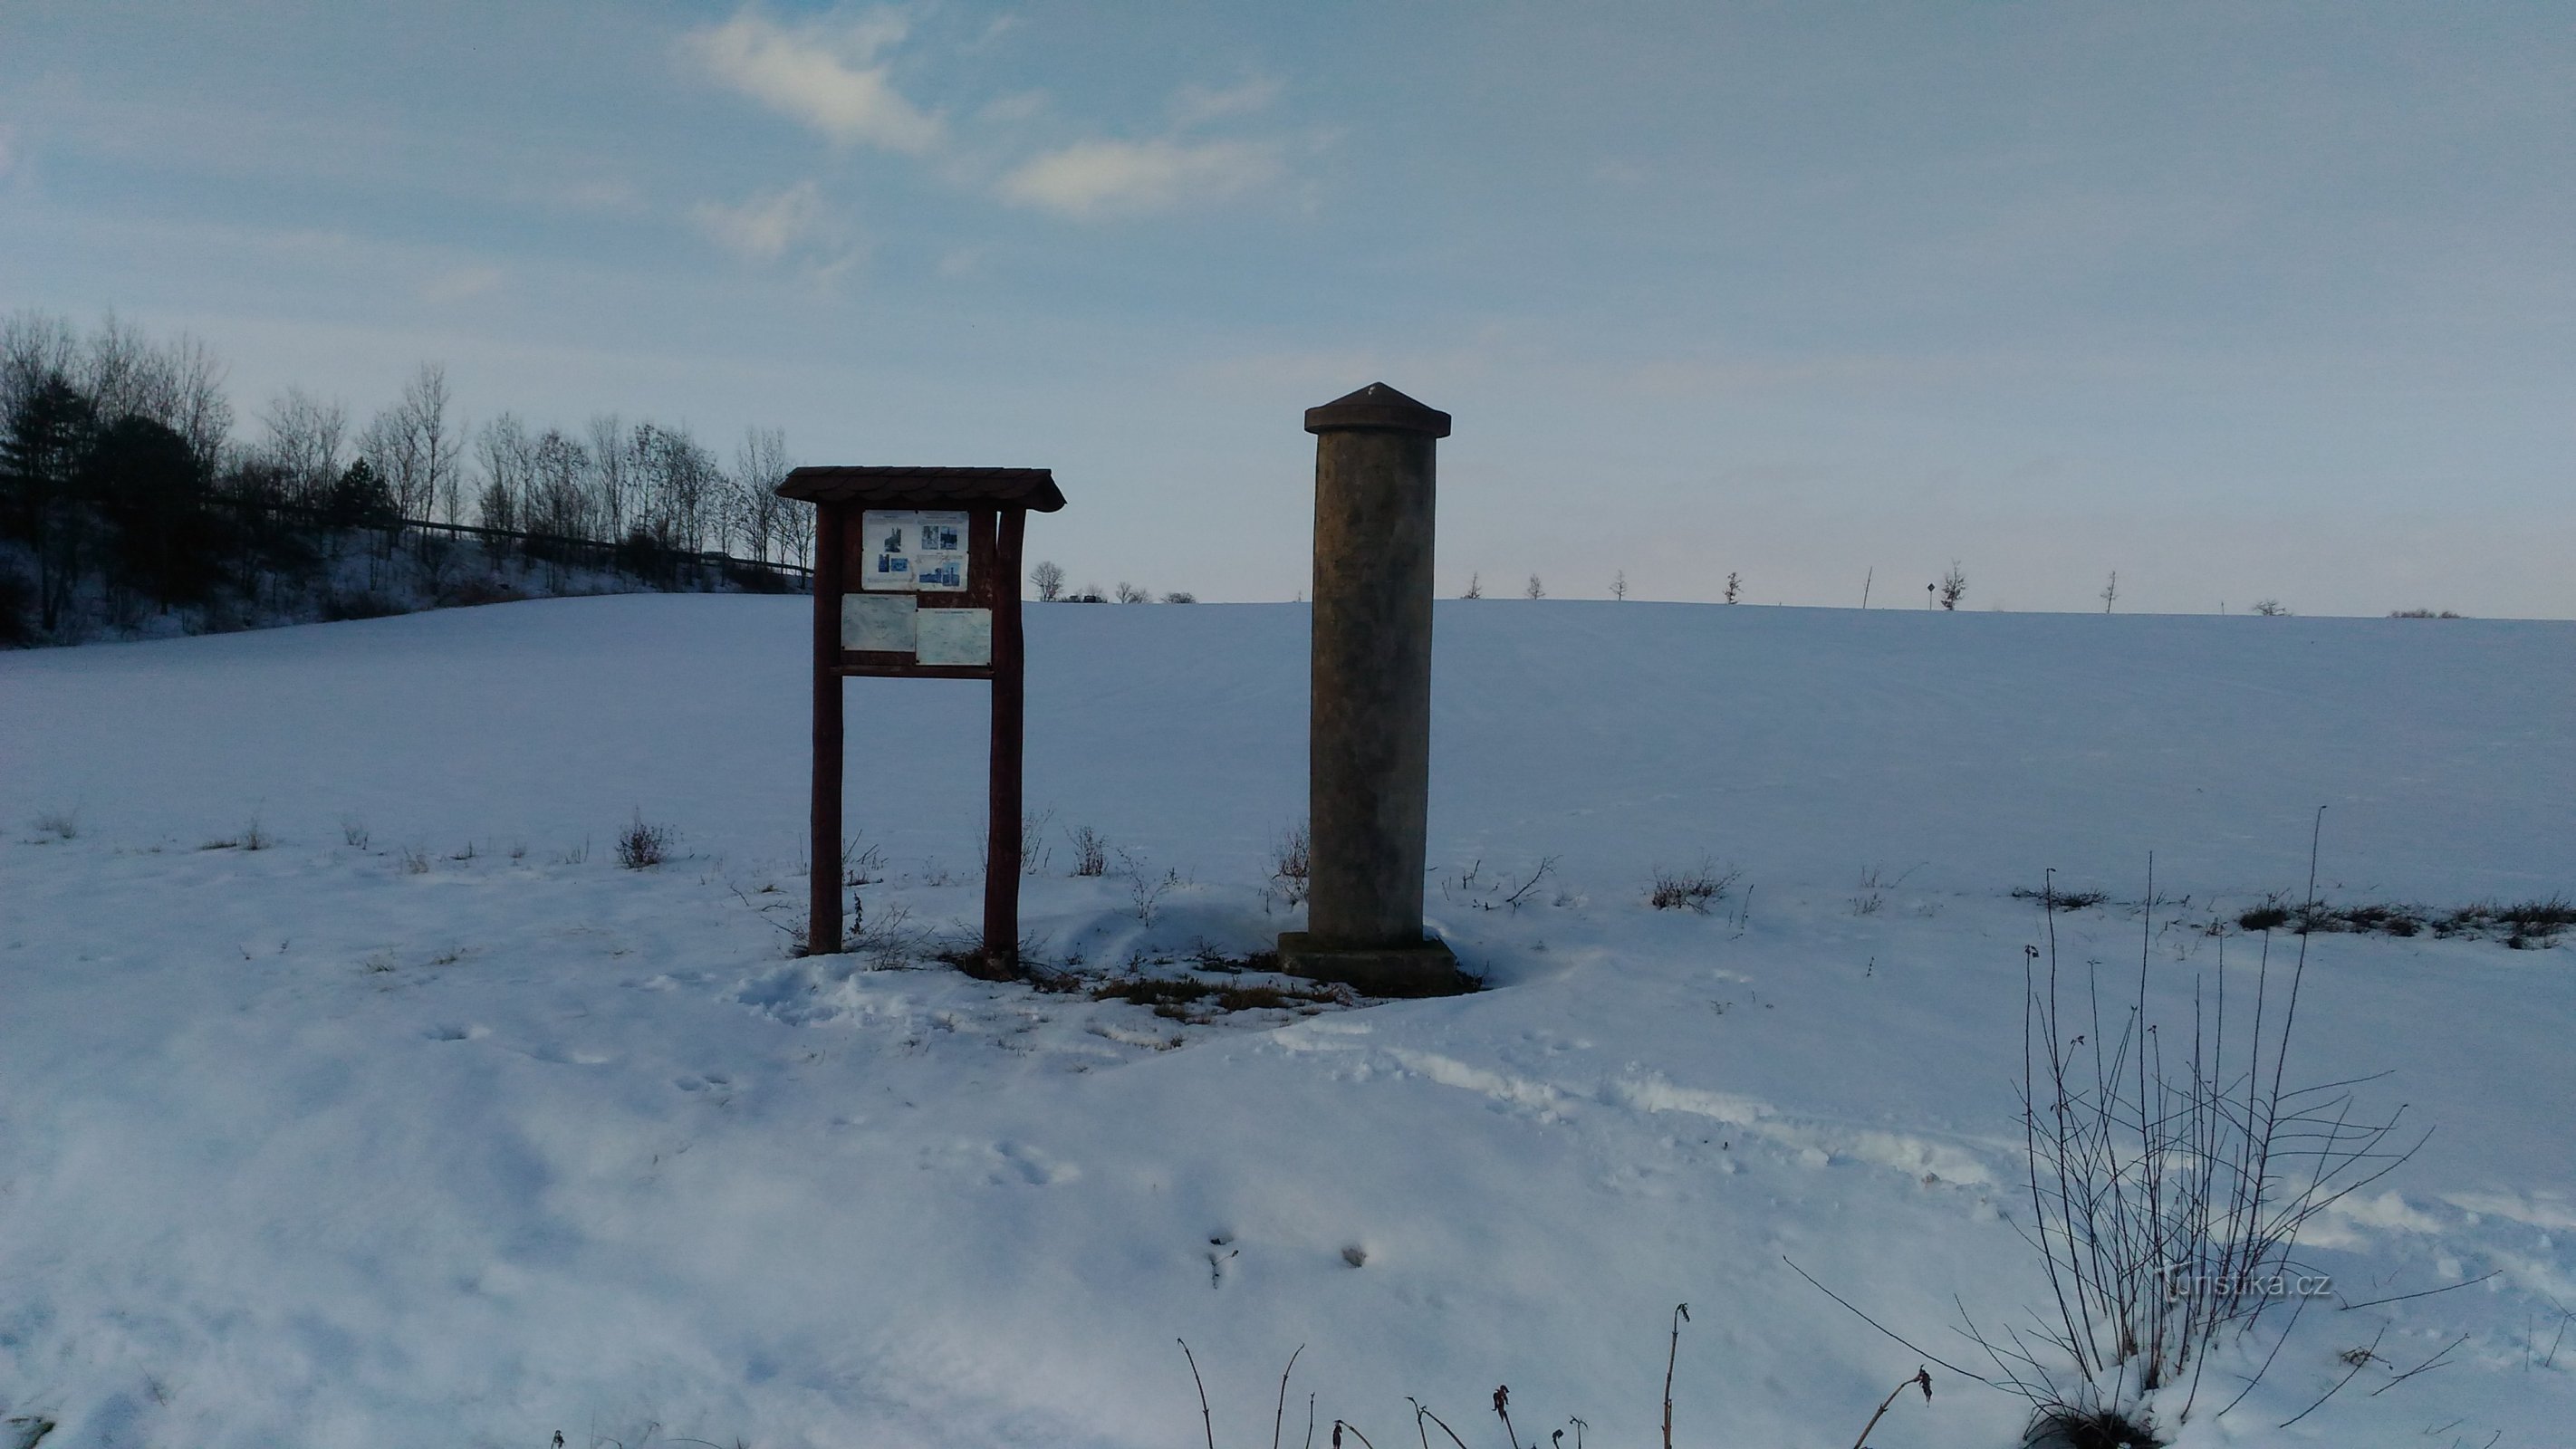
(427, 1124)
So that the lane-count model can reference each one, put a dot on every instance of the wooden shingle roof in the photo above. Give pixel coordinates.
(927, 487)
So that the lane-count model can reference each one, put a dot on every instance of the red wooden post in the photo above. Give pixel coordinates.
(823, 904)
(1003, 845)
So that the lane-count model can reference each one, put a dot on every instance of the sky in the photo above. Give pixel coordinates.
(2238, 302)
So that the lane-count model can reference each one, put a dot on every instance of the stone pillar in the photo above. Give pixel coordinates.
(1369, 739)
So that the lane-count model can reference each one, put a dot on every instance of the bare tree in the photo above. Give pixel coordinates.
(796, 530)
(2110, 591)
(2271, 608)
(559, 500)
(198, 409)
(387, 447)
(121, 373)
(1954, 587)
(1132, 594)
(1733, 586)
(1475, 587)
(610, 456)
(1535, 590)
(508, 458)
(35, 348)
(1619, 586)
(759, 466)
(413, 446)
(424, 407)
(179, 385)
(1048, 576)
(677, 485)
(306, 437)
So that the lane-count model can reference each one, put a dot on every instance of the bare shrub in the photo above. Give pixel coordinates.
(888, 938)
(861, 867)
(1425, 1420)
(640, 845)
(414, 859)
(1291, 862)
(353, 831)
(1145, 890)
(1035, 856)
(2169, 1173)
(60, 824)
(1090, 851)
(2271, 608)
(1692, 889)
(1874, 884)
(1472, 887)
(254, 838)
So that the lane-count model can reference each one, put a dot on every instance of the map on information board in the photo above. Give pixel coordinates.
(909, 548)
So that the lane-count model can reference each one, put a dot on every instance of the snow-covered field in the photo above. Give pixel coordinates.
(427, 1124)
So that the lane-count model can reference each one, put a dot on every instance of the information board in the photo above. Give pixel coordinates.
(911, 549)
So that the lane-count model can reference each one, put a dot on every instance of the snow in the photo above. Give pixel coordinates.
(399, 1143)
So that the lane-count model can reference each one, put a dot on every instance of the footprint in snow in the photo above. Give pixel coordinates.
(1034, 1167)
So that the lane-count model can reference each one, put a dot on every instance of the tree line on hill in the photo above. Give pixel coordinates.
(128, 505)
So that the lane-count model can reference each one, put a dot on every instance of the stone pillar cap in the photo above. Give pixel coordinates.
(1377, 406)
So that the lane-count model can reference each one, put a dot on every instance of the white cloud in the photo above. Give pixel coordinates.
(764, 227)
(1094, 178)
(821, 73)
(1200, 103)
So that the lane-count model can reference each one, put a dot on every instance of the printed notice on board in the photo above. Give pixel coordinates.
(881, 625)
(913, 549)
(956, 636)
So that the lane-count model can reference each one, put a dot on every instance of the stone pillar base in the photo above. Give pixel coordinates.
(1429, 969)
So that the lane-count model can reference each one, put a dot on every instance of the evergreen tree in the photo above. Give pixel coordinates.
(361, 499)
(47, 440)
(152, 489)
